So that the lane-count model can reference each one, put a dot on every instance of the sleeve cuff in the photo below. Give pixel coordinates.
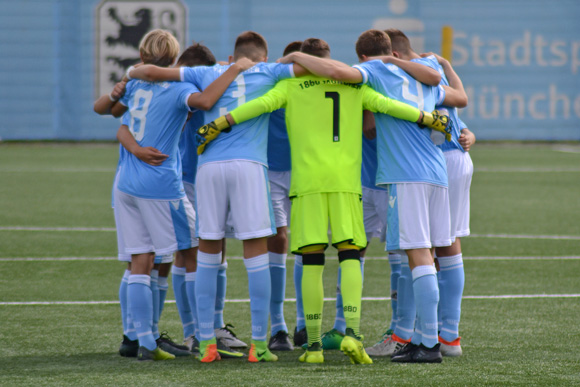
(365, 75)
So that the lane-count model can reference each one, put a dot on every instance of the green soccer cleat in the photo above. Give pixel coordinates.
(155, 355)
(313, 355)
(332, 339)
(352, 346)
(165, 343)
(227, 352)
(208, 351)
(259, 352)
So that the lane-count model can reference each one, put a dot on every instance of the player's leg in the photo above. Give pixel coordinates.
(253, 223)
(162, 282)
(300, 337)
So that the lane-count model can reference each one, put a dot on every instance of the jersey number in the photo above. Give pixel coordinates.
(139, 110)
(239, 94)
(335, 114)
(418, 99)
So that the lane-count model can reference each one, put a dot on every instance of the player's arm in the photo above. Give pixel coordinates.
(152, 73)
(108, 103)
(455, 94)
(326, 68)
(422, 73)
(206, 99)
(369, 126)
(466, 137)
(148, 155)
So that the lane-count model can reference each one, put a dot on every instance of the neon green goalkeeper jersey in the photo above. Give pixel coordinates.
(324, 123)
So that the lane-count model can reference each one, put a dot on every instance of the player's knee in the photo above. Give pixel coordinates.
(313, 259)
(348, 254)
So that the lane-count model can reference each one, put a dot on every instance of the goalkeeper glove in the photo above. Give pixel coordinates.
(437, 121)
(209, 132)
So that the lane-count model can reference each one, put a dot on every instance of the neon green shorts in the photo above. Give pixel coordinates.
(311, 214)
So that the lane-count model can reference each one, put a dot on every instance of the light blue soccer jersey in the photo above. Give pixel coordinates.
(188, 147)
(158, 112)
(405, 151)
(369, 163)
(453, 117)
(278, 143)
(248, 140)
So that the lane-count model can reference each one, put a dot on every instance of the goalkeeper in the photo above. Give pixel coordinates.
(324, 121)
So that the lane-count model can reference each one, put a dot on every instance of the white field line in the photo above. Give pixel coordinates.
(524, 236)
(64, 259)
(526, 170)
(58, 170)
(329, 299)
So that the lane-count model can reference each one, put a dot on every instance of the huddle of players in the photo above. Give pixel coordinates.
(235, 158)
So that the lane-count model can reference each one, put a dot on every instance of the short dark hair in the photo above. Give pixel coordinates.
(316, 47)
(399, 41)
(197, 55)
(373, 43)
(292, 47)
(251, 45)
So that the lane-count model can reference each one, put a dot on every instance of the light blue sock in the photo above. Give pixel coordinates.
(141, 308)
(441, 284)
(300, 322)
(155, 295)
(220, 298)
(417, 337)
(426, 298)
(190, 288)
(278, 280)
(163, 286)
(339, 321)
(395, 264)
(205, 292)
(405, 301)
(450, 293)
(185, 314)
(128, 328)
(260, 286)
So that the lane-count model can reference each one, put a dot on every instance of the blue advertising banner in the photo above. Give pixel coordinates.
(519, 60)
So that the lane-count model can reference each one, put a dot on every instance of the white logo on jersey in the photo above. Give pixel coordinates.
(175, 204)
(392, 200)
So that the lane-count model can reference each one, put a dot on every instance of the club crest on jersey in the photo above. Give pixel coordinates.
(121, 24)
(392, 200)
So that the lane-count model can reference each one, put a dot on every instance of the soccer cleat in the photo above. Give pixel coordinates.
(156, 354)
(313, 354)
(226, 352)
(129, 348)
(352, 346)
(300, 337)
(280, 342)
(208, 351)
(229, 337)
(389, 344)
(165, 343)
(260, 353)
(451, 348)
(427, 355)
(405, 354)
(332, 339)
(192, 344)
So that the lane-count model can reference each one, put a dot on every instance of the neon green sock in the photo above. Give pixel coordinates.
(313, 301)
(351, 289)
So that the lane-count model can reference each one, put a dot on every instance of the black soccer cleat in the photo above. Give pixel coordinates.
(427, 355)
(300, 337)
(129, 348)
(405, 354)
(280, 342)
(165, 343)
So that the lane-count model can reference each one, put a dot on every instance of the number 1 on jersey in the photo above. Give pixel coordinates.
(335, 114)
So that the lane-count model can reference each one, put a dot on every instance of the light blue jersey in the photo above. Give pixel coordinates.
(158, 112)
(188, 147)
(278, 143)
(406, 152)
(369, 163)
(248, 140)
(453, 117)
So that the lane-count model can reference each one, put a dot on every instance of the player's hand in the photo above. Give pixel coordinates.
(150, 155)
(209, 132)
(286, 59)
(439, 58)
(437, 121)
(244, 64)
(118, 90)
(466, 139)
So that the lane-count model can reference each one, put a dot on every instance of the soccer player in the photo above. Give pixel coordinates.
(324, 121)
(413, 170)
(222, 189)
(279, 176)
(151, 211)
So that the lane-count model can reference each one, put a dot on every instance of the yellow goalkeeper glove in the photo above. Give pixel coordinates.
(209, 132)
(437, 121)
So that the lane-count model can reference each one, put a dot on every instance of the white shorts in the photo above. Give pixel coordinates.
(280, 190)
(160, 226)
(375, 203)
(239, 188)
(417, 217)
(460, 171)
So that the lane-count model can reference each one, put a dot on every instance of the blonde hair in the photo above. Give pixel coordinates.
(159, 47)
